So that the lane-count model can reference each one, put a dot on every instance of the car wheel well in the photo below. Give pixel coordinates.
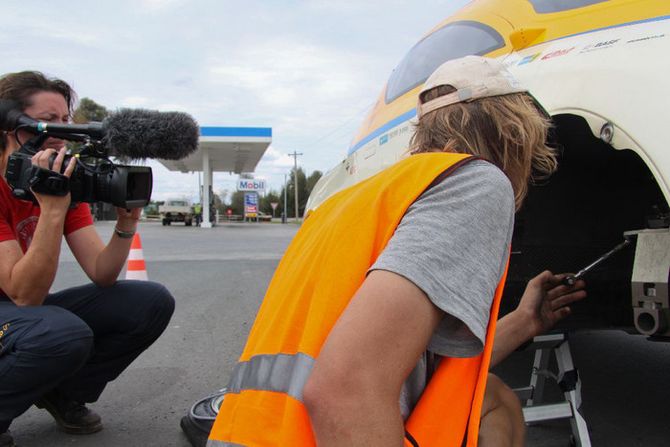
(582, 211)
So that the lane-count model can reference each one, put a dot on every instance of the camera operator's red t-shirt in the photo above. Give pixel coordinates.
(18, 218)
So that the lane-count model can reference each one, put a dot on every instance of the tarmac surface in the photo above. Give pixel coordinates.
(218, 277)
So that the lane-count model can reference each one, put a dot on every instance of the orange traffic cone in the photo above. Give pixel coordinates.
(136, 269)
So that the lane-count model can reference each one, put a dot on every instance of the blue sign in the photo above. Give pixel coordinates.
(251, 203)
(251, 199)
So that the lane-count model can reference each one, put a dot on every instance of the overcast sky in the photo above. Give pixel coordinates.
(310, 70)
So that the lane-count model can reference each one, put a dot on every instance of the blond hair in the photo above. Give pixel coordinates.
(508, 131)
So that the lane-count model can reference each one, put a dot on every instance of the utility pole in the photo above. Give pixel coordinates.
(285, 213)
(295, 181)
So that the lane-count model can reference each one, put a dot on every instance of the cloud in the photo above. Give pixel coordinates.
(134, 101)
(174, 107)
(312, 95)
(275, 158)
(157, 5)
(145, 102)
(77, 36)
(171, 184)
(186, 81)
(288, 73)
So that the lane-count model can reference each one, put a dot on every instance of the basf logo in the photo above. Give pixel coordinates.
(250, 185)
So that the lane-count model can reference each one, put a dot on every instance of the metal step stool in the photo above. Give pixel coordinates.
(568, 380)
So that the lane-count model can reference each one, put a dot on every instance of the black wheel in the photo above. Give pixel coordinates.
(198, 422)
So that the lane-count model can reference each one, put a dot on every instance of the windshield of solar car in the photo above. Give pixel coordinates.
(548, 6)
(452, 41)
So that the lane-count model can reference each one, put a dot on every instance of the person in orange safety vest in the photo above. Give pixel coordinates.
(377, 327)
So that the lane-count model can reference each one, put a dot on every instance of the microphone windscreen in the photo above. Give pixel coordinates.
(140, 134)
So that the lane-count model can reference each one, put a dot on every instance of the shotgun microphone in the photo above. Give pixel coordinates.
(130, 133)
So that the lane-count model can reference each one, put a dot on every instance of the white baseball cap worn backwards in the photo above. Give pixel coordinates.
(473, 77)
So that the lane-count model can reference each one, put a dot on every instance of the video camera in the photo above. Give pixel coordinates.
(94, 179)
(130, 134)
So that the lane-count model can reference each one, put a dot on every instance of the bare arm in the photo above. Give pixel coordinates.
(103, 263)
(27, 278)
(353, 393)
(544, 303)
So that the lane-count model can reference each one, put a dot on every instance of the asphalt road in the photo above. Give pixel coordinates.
(218, 277)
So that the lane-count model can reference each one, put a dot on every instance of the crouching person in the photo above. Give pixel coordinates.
(59, 350)
(391, 273)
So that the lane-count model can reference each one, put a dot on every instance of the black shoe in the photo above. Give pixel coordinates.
(6, 440)
(72, 417)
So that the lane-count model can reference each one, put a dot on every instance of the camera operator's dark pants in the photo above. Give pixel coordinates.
(76, 342)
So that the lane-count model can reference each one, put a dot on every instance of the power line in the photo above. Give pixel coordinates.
(341, 126)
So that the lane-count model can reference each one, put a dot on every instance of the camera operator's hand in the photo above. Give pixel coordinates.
(127, 219)
(41, 159)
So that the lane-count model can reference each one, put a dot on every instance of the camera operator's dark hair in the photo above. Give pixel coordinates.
(21, 86)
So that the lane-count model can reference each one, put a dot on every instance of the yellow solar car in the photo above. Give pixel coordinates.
(600, 68)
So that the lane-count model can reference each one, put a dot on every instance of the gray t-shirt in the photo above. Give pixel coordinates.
(453, 244)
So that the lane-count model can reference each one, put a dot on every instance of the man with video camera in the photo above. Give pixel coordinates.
(59, 350)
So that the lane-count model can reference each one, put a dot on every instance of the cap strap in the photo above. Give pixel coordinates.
(462, 95)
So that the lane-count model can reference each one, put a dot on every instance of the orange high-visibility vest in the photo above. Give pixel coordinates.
(320, 272)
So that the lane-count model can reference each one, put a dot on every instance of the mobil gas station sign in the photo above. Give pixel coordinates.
(246, 184)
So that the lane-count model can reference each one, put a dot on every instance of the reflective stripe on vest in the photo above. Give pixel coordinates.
(320, 272)
(282, 373)
(212, 443)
